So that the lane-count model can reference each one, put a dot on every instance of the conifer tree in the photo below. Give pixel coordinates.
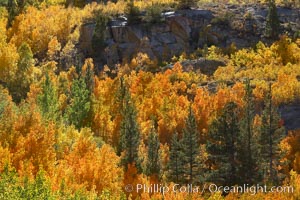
(98, 40)
(121, 93)
(19, 85)
(88, 73)
(222, 147)
(190, 142)
(153, 161)
(13, 11)
(270, 135)
(247, 145)
(79, 107)
(48, 100)
(272, 24)
(4, 101)
(133, 12)
(176, 160)
(129, 133)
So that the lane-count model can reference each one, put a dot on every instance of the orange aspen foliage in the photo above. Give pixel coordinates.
(34, 145)
(291, 145)
(7, 118)
(202, 108)
(8, 61)
(54, 48)
(160, 96)
(37, 27)
(131, 179)
(286, 88)
(102, 102)
(106, 112)
(91, 167)
(5, 157)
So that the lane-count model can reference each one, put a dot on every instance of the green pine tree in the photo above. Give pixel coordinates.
(13, 11)
(80, 105)
(89, 78)
(153, 162)
(3, 101)
(272, 24)
(176, 160)
(190, 142)
(247, 144)
(222, 147)
(98, 41)
(129, 133)
(270, 135)
(19, 85)
(48, 100)
(132, 12)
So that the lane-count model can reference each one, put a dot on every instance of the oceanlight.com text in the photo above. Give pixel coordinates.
(211, 188)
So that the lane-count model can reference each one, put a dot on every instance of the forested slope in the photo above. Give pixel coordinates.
(73, 128)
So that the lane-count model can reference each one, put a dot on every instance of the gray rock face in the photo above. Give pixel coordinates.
(163, 40)
(187, 30)
(86, 35)
(291, 116)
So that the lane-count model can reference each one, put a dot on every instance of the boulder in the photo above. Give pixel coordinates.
(207, 67)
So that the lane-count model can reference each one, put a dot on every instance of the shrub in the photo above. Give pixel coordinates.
(186, 4)
(153, 14)
(99, 32)
(132, 12)
(272, 25)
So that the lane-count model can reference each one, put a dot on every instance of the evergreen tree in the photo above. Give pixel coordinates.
(222, 147)
(48, 100)
(272, 24)
(191, 148)
(98, 42)
(205, 52)
(247, 145)
(129, 133)
(88, 74)
(79, 106)
(121, 93)
(119, 98)
(270, 135)
(176, 160)
(153, 14)
(13, 11)
(19, 85)
(153, 161)
(132, 12)
(4, 101)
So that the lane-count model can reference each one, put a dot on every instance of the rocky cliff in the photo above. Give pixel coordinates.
(186, 30)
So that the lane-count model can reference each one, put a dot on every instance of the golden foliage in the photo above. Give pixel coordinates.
(38, 27)
(86, 165)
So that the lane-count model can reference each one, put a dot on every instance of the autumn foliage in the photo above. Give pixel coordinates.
(74, 130)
